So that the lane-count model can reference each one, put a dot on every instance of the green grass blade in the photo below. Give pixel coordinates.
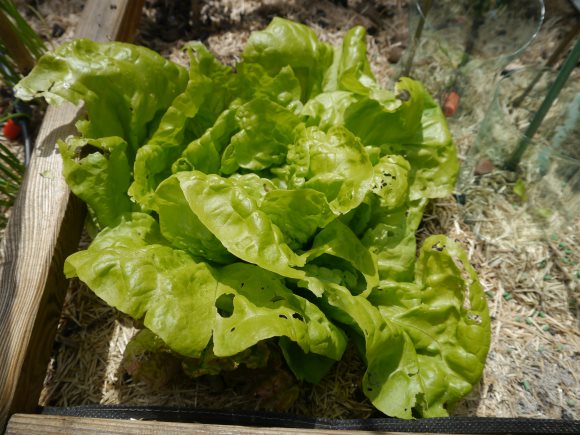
(9, 189)
(9, 172)
(7, 157)
(27, 35)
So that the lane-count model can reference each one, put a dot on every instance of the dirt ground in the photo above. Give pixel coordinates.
(528, 268)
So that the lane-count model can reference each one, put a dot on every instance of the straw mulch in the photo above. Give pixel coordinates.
(530, 275)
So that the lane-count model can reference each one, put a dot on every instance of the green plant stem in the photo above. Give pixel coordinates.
(552, 60)
(569, 64)
(14, 115)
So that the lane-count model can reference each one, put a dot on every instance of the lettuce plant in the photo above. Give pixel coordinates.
(277, 200)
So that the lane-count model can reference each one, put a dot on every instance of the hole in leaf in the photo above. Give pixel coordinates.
(282, 316)
(298, 316)
(225, 305)
(476, 318)
(233, 329)
(404, 95)
(438, 247)
(89, 149)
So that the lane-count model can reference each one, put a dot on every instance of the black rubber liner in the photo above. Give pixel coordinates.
(450, 425)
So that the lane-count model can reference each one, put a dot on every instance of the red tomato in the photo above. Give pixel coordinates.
(11, 130)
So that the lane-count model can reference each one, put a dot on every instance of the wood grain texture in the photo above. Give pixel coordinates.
(44, 228)
(111, 20)
(28, 424)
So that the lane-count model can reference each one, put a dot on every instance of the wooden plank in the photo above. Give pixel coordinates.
(26, 424)
(112, 20)
(43, 230)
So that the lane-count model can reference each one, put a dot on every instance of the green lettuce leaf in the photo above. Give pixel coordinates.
(390, 381)
(232, 214)
(285, 43)
(210, 364)
(266, 130)
(424, 350)
(298, 213)
(391, 181)
(204, 154)
(181, 226)
(263, 307)
(223, 84)
(100, 178)
(283, 89)
(334, 163)
(190, 114)
(448, 324)
(377, 121)
(310, 367)
(148, 359)
(338, 241)
(390, 235)
(119, 97)
(327, 109)
(272, 101)
(133, 268)
(431, 153)
(350, 70)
